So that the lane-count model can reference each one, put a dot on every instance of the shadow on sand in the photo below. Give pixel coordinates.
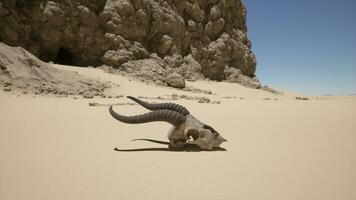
(187, 148)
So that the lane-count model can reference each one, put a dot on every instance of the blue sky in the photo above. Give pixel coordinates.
(304, 46)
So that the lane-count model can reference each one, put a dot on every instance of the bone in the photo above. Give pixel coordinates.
(186, 130)
(172, 117)
(161, 106)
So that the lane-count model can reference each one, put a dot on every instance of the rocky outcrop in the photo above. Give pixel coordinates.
(234, 75)
(192, 37)
(21, 71)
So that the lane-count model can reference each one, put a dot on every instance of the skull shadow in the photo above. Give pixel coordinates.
(186, 148)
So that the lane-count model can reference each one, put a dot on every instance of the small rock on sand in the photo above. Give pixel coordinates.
(301, 98)
(204, 100)
(93, 104)
(7, 89)
(175, 80)
(6, 84)
(88, 95)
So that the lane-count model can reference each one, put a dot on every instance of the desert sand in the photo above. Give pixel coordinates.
(278, 147)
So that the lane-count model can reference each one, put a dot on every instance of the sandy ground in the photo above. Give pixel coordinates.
(277, 149)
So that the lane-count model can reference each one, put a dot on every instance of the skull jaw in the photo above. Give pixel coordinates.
(204, 144)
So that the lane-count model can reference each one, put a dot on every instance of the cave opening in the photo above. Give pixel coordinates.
(64, 57)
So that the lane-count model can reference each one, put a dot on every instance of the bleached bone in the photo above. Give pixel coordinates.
(186, 128)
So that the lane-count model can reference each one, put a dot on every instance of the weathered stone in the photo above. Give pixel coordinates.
(139, 51)
(203, 100)
(146, 69)
(215, 13)
(234, 75)
(111, 32)
(6, 89)
(117, 58)
(302, 98)
(271, 90)
(190, 69)
(217, 57)
(175, 80)
(88, 95)
(6, 84)
(195, 12)
(174, 60)
(214, 28)
(28, 74)
(166, 44)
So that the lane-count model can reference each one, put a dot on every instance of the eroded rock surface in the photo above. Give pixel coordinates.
(21, 71)
(191, 37)
(175, 80)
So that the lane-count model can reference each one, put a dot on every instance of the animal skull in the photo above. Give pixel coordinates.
(186, 128)
(206, 139)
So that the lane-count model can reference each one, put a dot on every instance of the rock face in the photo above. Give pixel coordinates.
(194, 38)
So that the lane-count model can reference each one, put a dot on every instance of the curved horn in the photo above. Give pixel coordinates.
(161, 106)
(172, 117)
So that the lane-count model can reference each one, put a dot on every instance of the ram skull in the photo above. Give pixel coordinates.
(186, 128)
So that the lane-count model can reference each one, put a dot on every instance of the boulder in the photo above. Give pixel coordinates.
(117, 58)
(175, 80)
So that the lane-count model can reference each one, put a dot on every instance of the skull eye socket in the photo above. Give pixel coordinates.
(193, 134)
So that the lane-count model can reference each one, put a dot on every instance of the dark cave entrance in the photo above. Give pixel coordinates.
(64, 57)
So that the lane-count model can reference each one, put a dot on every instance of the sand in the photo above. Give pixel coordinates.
(278, 147)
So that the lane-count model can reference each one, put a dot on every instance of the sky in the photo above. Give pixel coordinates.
(306, 46)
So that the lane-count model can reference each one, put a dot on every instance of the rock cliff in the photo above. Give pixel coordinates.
(193, 38)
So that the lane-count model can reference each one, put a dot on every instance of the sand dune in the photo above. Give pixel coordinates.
(278, 147)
